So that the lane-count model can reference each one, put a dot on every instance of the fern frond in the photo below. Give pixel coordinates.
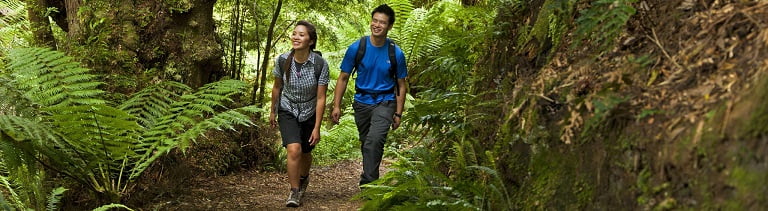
(14, 24)
(497, 187)
(339, 143)
(219, 121)
(189, 118)
(16, 14)
(25, 137)
(417, 37)
(112, 206)
(153, 102)
(4, 204)
(98, 128)
(19, 128)
(148, 153)
(12, 101)
(15, 201)
(54, 198)
(602, 22)
(402, 9)
(50, 78)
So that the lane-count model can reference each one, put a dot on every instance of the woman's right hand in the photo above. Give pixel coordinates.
(272, 120)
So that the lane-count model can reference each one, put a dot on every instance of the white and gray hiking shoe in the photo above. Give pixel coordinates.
(293, 198)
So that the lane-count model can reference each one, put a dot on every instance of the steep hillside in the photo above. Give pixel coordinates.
(669, 115)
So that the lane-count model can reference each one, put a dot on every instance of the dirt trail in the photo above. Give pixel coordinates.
(331, 188)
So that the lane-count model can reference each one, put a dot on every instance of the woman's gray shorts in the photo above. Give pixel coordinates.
(294, 131)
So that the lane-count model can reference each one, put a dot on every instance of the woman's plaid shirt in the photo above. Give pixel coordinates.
(299, 97)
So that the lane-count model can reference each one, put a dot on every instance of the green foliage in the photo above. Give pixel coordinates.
(338, 143)
(51, 79)
(54, 198)
(417, 182)
(429, 114)
(23, 186)
(14, 28)
(413, 184)
(417, 35)
(112, 206)
(552, 22)
(74, 131)
(21, 177)
(179, 6)
(3, 204)
(602, 23)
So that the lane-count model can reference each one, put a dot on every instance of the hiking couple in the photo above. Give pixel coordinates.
(299, 94)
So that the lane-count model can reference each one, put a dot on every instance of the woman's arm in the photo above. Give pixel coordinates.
(273, 102)
(319, 112)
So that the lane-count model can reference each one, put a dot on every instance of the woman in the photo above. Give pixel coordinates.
(298, 101)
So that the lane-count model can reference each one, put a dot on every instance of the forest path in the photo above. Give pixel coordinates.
(331, 188)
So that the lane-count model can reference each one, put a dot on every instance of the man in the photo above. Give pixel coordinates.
(379, 93)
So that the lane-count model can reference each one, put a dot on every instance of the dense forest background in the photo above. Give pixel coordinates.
(541, 104)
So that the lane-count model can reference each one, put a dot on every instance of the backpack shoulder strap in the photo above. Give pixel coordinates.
(319, 63)
(393, 64)
(280, 63)
(360, 53)
(392, 59)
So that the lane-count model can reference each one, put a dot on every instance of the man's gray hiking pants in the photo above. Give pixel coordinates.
(373, 124)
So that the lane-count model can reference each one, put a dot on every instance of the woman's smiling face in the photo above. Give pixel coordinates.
(300, 38)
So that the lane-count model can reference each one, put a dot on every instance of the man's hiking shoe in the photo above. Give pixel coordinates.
(293, 198)
(303, 184)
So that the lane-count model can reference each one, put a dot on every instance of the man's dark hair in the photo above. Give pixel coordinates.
(312, 33)
(384, 8)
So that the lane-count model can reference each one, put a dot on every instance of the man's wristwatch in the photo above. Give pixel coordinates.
(398, 115)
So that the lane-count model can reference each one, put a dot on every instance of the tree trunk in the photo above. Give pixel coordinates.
(268, 47)
(132, 43)
(41, 28)
(235, 23)
(73, 21)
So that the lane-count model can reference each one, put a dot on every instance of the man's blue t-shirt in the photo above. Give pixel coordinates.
(373, 71)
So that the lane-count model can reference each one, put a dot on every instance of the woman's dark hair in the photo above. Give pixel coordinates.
(312, 33)
(384, 8)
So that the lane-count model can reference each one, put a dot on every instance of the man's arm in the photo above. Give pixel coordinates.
(401, 84)
(338, 94)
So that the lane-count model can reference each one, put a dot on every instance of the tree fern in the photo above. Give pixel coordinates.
(78, 134)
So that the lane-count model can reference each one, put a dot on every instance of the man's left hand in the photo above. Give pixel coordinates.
(396, 122)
